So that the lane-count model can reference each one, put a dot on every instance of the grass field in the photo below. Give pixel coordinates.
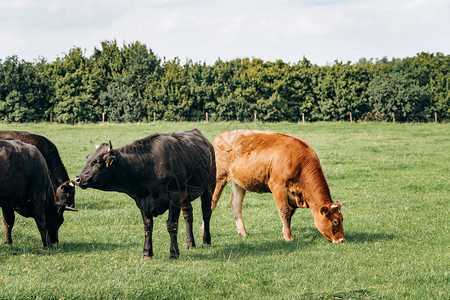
(395, 179)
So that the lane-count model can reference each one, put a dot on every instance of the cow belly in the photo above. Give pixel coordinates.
(251, 184)
(18, 204)
(255, 187)
(250, 177)
(194, 192)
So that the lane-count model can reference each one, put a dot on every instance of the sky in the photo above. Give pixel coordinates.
(323, 31)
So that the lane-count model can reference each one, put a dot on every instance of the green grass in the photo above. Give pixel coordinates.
(394, 177)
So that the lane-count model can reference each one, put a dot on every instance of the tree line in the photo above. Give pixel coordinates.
(129, 83)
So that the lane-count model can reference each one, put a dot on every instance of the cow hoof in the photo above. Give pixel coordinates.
(173, 256)
(289, 239)
(190, 246)
(207, 241)
(147, 256)
(243, 234)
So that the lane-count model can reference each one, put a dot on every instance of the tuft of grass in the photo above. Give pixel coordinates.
(394, 177)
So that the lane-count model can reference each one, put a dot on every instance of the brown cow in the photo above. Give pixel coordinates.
(260, 161)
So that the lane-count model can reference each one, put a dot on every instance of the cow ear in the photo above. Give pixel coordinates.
(109, 162)
(324, 210)
(60, 208)
(335, 207)
(110, 157)
(57, 199)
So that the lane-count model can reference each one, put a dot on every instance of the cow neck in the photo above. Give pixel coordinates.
(318, 200)
(123, 181)
(57, 170)
(123, 163)
(58, 173)
(317, 193)
(50, 201)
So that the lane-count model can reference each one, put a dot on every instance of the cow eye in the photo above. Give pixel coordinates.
(335, 222)
(94, 163)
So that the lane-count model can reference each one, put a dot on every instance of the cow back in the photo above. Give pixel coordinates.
(174, 160)
(57, 171)
(255, 159)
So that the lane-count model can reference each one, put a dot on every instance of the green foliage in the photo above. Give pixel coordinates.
(341, 89)
(394, 93)
(130, 84)
(23, 91)
(134, 68)
(72, 100)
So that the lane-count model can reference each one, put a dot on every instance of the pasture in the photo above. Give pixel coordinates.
(394, 178)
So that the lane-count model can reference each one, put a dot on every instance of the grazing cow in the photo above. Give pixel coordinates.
(65, 188)
(25, 187)
(160, 172)
(261, 162)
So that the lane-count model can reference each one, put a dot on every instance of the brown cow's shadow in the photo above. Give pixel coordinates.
(311, 233)
(257, 244)
(368, 237)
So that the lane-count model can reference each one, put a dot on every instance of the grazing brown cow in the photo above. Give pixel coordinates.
(260, 161)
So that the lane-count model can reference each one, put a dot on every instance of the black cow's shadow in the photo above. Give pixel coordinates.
(256, 244)
(89, 247)
(60, 248)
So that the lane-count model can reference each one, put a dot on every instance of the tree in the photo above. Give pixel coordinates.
(23, 91)
(72, 98)
(129, 71)
(395, 93)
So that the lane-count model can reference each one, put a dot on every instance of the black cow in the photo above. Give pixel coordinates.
(65, 188)
(160, 172)
(25, 187)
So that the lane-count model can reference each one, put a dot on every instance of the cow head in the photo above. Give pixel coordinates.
(98, 171)
(55, 219)
(328, 220)
(65, 193)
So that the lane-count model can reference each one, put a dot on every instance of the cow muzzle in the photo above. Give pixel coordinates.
(338, 241)
(79, 182)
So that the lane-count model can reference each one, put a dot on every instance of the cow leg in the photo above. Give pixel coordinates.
(236, 200)
(8, 220)
(42, 226)
(148, 229)
(172, 228)
(39, 217)
(206, 211)
(188, 218)
(285, 211)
